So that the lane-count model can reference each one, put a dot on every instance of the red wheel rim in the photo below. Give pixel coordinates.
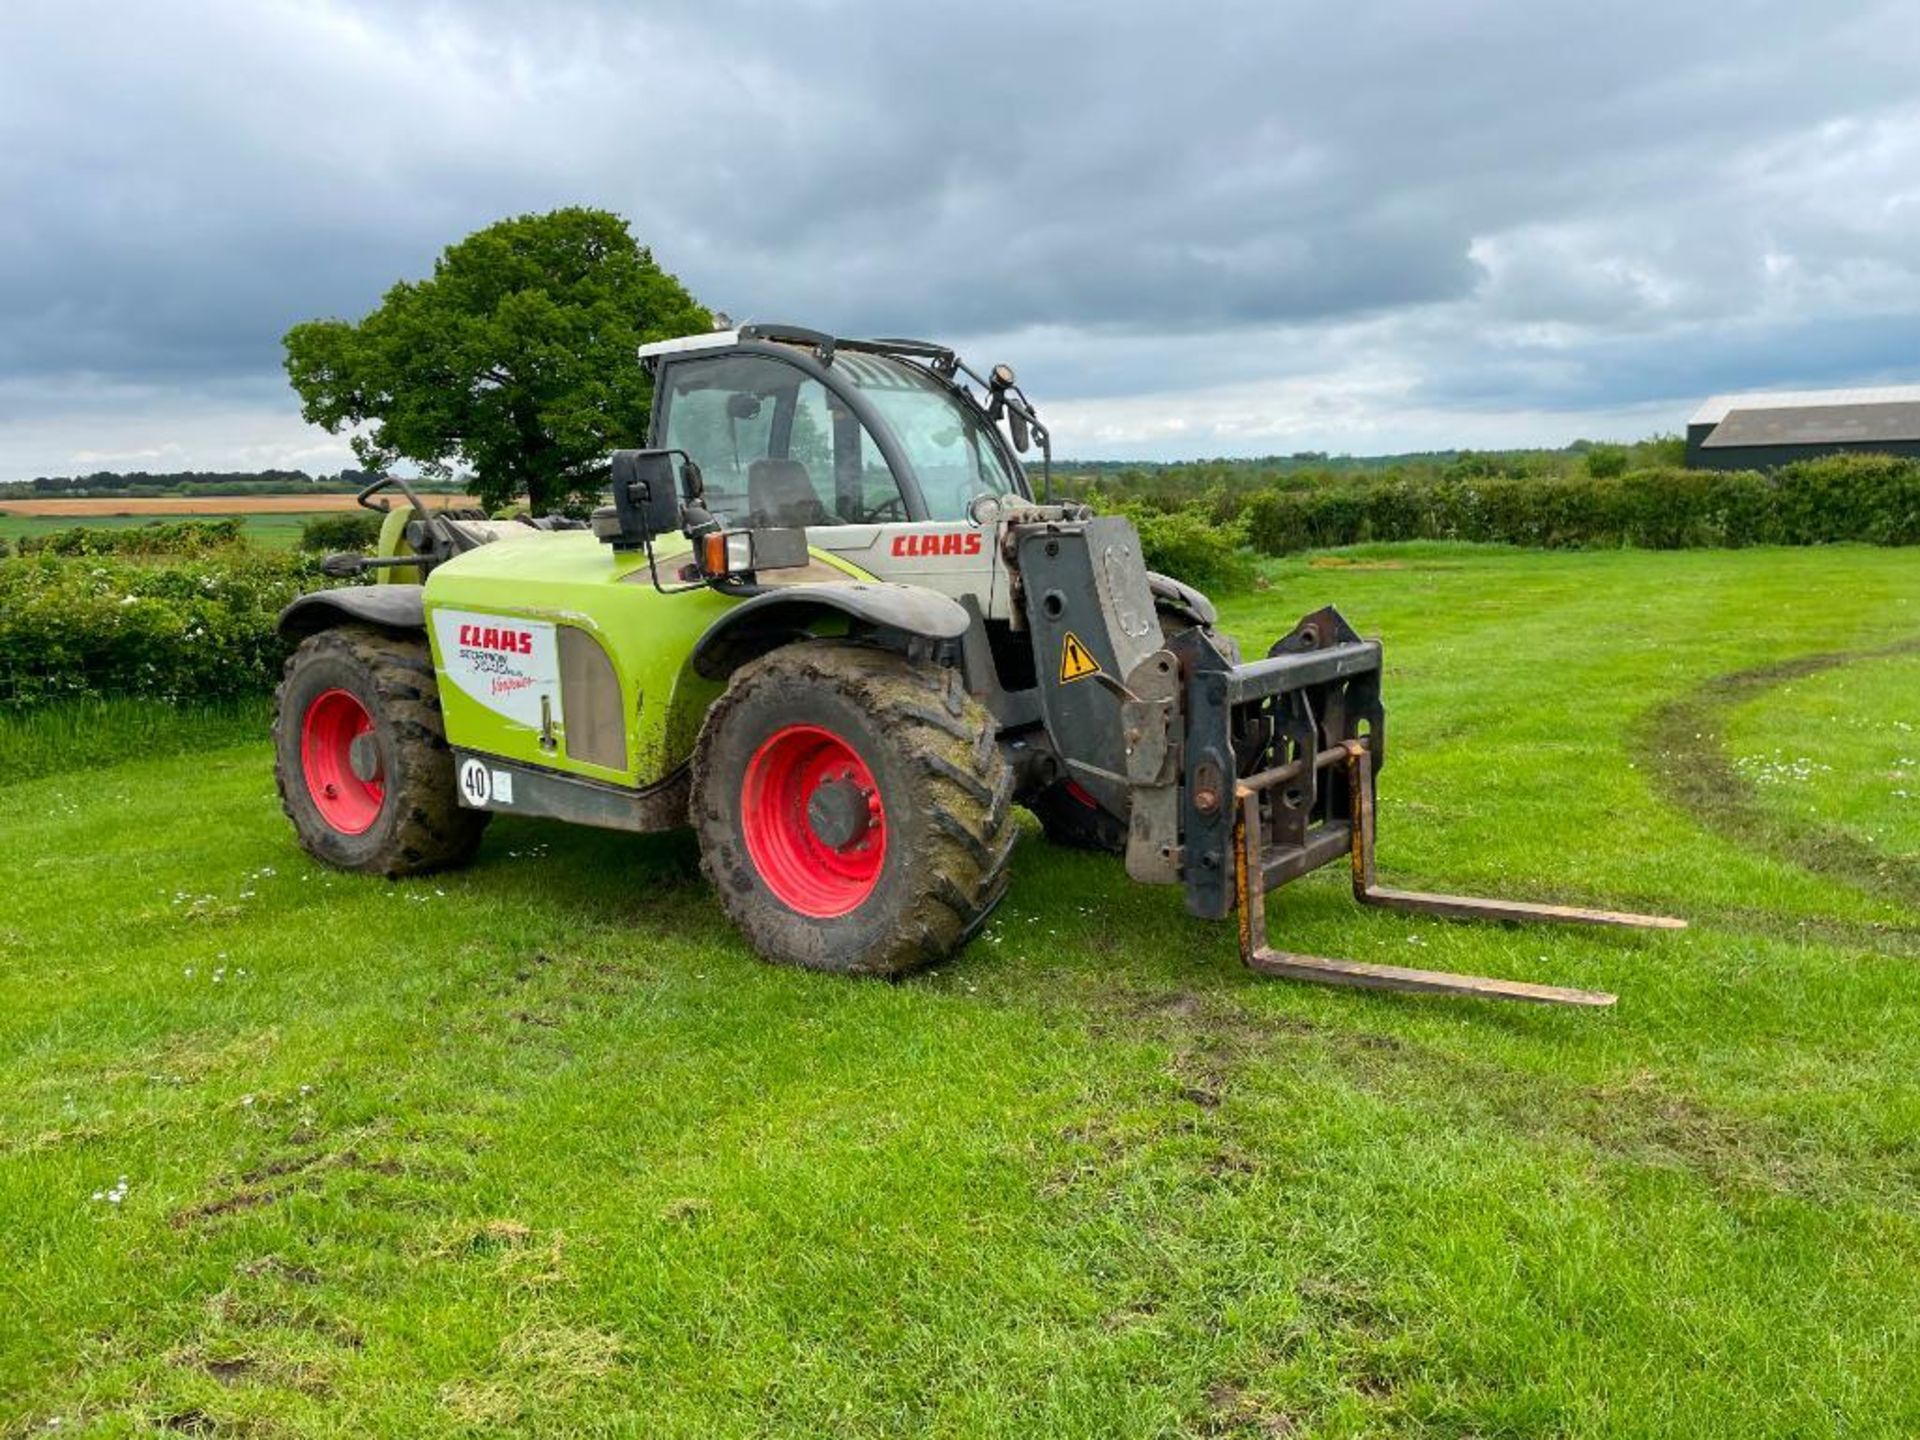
(334, 720)
(814, 825)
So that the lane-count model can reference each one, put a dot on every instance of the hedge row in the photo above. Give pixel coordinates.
(1205, 550)
(173, 537)
(186, 611)
(1871, 498)
(349, 530)
(197, 629)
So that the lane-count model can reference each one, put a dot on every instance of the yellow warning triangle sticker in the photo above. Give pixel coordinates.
(1076, 661)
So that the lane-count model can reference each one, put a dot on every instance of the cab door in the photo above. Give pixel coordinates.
(777, 447)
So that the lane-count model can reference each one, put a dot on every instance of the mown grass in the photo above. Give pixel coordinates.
(105, 731)
(277, 531)
(1840, 747)
(538, 1147)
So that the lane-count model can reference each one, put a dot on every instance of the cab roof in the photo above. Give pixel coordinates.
(822, 344)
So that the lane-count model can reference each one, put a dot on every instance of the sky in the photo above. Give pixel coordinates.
(1195, 230)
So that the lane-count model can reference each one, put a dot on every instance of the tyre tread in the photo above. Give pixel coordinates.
(434, 831)
(946, 736)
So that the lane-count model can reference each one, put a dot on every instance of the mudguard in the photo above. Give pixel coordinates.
(1181, 598)
(391, 607)
(758, 625)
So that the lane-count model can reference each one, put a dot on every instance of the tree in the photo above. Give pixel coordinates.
(515, 359)
(1606, 462)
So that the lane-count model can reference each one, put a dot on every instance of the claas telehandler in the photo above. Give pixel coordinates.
(826, 622)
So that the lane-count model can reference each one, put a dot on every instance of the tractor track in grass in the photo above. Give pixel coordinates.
(1221, 1055)
(1885, 938)
(1683, 740)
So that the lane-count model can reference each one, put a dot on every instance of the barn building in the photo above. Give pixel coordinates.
(1772, 428)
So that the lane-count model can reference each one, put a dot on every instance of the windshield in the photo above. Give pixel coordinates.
(950, 447)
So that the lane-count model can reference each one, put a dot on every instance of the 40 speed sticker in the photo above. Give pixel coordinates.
(508, 665)
(480, 786)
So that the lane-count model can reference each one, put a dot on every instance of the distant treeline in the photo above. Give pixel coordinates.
(1174, 482)
(1305, 469)
(1299, 460)
(138, 483)
(1200, 521)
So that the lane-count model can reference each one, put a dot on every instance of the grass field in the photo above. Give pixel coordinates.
(275, 530)
(539, 1147)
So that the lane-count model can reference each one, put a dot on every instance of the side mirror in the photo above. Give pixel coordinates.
(646, 502)
(1017, 428)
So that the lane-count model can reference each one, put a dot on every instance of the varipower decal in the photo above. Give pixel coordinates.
(508, 665)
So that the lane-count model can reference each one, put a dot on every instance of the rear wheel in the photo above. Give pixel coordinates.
(854, 810)
(361, 758)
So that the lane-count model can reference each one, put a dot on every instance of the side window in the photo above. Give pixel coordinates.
(721, 412)
(948, 443)
(847, 466)
(775, 447)
(811, 440)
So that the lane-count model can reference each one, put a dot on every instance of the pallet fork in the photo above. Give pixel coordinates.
(1311, 713)
(1251, 896)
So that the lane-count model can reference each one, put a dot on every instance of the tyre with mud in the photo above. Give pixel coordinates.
(853, 809)
(361, 757)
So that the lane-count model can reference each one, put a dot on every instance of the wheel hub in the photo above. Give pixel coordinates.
(841, 812)
(363, 758)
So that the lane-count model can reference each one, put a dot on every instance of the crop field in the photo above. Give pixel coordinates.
(272, 521)
(110, 507)
(538, 1147)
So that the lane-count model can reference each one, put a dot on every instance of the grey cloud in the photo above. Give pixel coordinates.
(1521, 205)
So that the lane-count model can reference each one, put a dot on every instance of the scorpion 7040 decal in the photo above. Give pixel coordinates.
(508, 665)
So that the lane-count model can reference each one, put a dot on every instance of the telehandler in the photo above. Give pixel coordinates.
(826, 622)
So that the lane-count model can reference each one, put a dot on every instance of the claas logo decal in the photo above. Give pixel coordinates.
(489, 637)
(958, 542)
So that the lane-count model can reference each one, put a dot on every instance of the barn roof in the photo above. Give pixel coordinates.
(1713, 411)
(1865, 423)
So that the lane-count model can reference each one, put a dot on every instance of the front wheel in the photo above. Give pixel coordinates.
(361, 757)
(854, 811)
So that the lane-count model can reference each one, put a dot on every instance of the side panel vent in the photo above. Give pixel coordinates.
(590, 699)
